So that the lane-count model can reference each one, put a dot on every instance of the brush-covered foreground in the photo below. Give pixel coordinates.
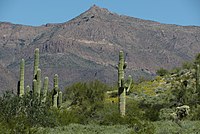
(161, 127)
(92, 107)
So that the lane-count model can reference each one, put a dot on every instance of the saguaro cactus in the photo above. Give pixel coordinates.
(59, 99)
(55, 92)
(28, 90)
(123, 86)
(198, 78)
(21, 82)
(45, 89)
(36, 63)
(35, 87)
(38, 82)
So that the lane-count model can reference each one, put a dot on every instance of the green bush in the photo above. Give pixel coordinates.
(169, 127)
(187, 65)
(86, 99)
(197, 59)
(162, 72)
(195, 113)
(19, 115)
(152, 105)
(134, 119)
(165, 113)
(66, 117)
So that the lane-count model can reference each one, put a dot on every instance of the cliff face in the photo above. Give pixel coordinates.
(86, 47)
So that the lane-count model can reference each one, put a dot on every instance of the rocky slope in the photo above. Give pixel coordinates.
(86, 47)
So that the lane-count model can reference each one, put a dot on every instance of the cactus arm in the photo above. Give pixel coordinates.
(56, 81)
(128, 83)
(45, 89)
(55, 100)
(38, 82)
(28, 90)
(59, 99)
(55, 92)
(35, 87)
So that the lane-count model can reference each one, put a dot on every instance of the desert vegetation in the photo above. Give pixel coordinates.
(167, 104)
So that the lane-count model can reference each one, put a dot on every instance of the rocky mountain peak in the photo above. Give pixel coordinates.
(95, 9)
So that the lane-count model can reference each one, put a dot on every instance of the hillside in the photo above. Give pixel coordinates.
(7, 80)
(86, 47)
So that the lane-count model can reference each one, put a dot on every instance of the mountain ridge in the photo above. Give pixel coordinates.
(86, 47)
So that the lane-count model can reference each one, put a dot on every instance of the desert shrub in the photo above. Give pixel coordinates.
(152, 113)
(88, 102)
(165, 113)
(86, 99)
(169, 127)
(19, 115)
(197, 59)
(195, 113)
(152, 106)
(86, 129)
(162, 72)
(134, 119)
(37, 113)
(175, 70)
(66, 117)
(187, 65)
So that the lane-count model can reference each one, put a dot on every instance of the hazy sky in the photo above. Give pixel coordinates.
(38, 12)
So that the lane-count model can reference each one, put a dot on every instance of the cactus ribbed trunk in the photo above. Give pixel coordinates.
(122, 98)
(55, 100)
(55, 80)
(120, 68)
(38, 82)
(198, 78)
(121, 89)
(21, 82)
(36, 63)
(128, 83)
(55, 91)
(45, 89)
(59, 99)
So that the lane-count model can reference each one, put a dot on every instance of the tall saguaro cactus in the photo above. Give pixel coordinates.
(123, 86)
(36, 63)
(45, 89)
(55, 91)
(21, 82)
(38, 82)
(198, 78)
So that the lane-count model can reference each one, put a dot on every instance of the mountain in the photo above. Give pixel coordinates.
(7, 80)
(86, 47)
